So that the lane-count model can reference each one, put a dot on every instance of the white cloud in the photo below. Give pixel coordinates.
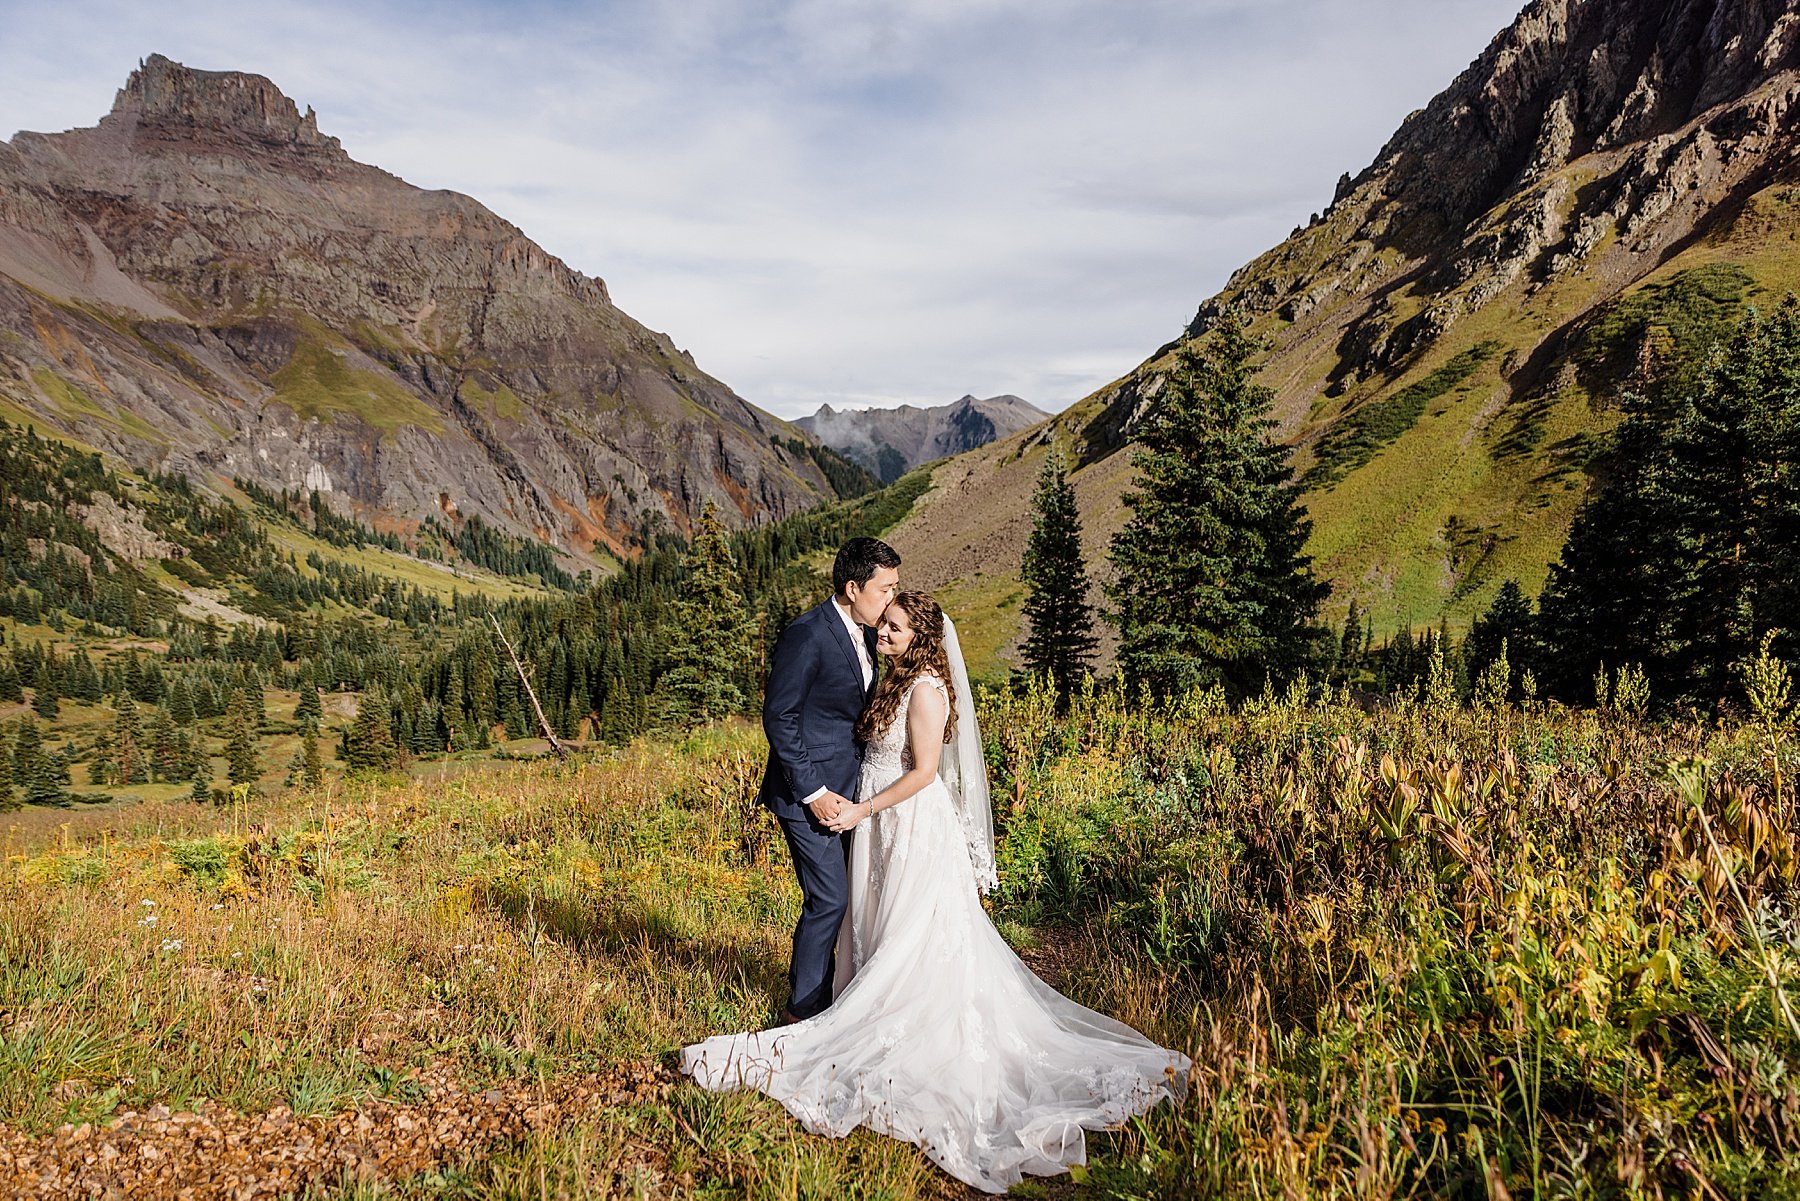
(853, 201)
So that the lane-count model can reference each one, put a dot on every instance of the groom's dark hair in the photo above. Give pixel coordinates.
(859, 559)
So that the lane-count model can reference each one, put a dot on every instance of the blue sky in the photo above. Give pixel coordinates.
(835, 201)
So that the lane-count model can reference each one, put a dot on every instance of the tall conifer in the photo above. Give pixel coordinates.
(240, 741)
(713, 635)
(1688, 554)
(1059, 622)
(1214, 584)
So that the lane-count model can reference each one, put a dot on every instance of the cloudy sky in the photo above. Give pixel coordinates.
(859, 202)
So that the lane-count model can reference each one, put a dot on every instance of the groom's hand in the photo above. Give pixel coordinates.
(827, 807)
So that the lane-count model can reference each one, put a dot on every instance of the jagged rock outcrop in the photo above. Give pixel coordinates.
(1613, 127)
(890, 442)
(204, 282)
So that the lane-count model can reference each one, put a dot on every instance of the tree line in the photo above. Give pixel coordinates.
(1679, 584)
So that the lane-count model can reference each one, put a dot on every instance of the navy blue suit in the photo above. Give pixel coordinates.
(814, 695)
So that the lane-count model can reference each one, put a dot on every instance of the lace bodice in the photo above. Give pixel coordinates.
(889, 755)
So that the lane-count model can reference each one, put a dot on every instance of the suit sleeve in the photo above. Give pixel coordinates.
(791, 671)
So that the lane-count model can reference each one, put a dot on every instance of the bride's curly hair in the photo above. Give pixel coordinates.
(926, 656)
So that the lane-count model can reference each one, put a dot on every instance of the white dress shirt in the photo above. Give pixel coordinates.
(856, 640)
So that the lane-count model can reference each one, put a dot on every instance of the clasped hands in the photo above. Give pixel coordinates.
(838, 813)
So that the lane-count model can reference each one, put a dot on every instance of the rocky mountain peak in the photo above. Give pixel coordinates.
(204, 283)
(163, 91)
(892, 441)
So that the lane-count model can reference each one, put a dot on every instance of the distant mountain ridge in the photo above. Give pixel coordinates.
(206, 283)
(1607, 184)
(890, 442)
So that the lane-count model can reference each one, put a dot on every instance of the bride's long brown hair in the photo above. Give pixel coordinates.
(925, 656)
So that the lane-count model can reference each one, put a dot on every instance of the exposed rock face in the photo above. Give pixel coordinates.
(206, 283)
(1596, 135)
(890, 442)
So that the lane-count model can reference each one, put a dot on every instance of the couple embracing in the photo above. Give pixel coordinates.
(907, 1012)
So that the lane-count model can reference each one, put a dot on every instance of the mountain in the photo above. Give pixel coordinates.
(891, 442)
(1599, 193)
(204, 283)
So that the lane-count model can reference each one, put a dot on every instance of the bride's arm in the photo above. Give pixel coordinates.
(925, 717)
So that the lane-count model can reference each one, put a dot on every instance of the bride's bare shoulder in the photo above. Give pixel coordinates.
(932, 679)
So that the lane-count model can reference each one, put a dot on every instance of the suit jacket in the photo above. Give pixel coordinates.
(811, 702)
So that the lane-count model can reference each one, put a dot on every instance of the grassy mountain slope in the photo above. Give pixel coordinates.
(1591, 202)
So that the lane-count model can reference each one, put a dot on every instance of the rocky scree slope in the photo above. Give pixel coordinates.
(1604, 187)
(206, 283)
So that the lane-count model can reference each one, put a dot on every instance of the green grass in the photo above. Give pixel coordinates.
(1365, 431)
(502, 403)
(1411, 951)
(77, 406)
(986, 610)
(316, 382)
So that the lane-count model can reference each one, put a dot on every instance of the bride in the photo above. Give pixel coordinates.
(937, 1033)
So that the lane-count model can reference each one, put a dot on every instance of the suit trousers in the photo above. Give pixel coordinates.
(822, 862)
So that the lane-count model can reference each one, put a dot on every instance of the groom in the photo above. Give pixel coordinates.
(820, 677)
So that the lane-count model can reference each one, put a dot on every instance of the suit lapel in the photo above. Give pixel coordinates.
(841, 636)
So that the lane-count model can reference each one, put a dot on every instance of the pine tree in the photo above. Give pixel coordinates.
(1059, 622)
(1606, 598)
(712, 636)
(1688, 554)
(181, 702)
(44, 697)
(202, 791)
(1214, 584)
(1351, 644)
(130, 758)
(1732, 459)
(312, 766)
(310, 707)
(369, 740)
(40, 773)
(165, 747)
(6, 770)
(240, 741)
(1508, 622)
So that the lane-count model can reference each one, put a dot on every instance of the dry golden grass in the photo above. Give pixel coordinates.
(1415, 952)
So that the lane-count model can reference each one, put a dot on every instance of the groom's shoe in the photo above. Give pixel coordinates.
(787, 1018)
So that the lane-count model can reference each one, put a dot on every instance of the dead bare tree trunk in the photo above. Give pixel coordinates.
(562, 752)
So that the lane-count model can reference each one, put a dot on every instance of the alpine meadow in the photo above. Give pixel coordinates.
(1385, 692)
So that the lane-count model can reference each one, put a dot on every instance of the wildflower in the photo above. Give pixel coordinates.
(147, 903)
(218, 907)
(170, 944)
(237, 954)
(148, 919)
(1436, 1126)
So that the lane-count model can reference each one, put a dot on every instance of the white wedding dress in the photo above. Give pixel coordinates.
(938, 1034)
